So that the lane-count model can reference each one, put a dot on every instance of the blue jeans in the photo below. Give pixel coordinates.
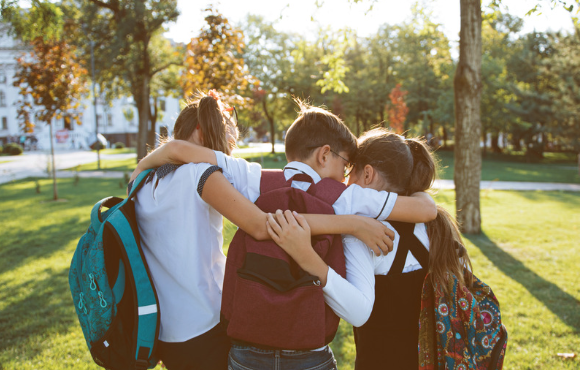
(251, 358)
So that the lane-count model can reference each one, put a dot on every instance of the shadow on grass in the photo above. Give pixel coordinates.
(49, 239)
(41, 227)
(562, 304)
(38, 308)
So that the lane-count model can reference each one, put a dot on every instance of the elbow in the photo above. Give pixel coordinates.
(431, 214)
(363, 317)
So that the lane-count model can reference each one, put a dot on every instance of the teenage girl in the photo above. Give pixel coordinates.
(383, 298)
(180, 223)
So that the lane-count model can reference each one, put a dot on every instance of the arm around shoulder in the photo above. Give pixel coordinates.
(417, 208)
(225, 199)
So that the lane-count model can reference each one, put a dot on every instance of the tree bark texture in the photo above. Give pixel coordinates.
(467, 84)
(271, 122)
(53, 167)
(143, 112)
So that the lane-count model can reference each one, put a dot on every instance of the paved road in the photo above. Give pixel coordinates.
(34, 164)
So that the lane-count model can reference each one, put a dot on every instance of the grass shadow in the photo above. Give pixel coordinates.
(562, 304)
(51, 238)
(35, 308)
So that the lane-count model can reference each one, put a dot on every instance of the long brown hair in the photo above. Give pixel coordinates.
(204, 111)
(408, 166)
(447, 254)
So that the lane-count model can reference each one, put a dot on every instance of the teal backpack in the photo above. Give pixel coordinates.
(114, 296)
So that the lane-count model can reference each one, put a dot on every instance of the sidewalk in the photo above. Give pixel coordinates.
(439, 184)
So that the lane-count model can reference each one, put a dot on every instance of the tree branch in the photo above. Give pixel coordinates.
(113, 7)
(157, 70)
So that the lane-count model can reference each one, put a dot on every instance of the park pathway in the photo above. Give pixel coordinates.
(33, 164)
(439, 184)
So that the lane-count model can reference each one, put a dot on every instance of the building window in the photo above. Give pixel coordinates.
(4, 123)
(109, 119)
(162, 105)
(68, 123)
(2, 99)
(99, 118)
(2, 76)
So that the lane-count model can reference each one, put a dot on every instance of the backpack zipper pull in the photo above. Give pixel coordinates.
(82, 305)
(92, 285)
(102, 301)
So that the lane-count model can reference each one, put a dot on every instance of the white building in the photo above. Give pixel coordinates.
(112, 121)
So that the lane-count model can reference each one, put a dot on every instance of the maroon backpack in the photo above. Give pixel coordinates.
(268, 301)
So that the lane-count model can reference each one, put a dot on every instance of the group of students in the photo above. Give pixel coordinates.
(196, 181)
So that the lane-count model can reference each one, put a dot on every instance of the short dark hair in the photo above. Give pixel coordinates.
(314, 128)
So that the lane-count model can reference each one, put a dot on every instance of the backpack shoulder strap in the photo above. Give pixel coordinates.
(408, 241)
(124, 229)
(271, 179)
(138, 183)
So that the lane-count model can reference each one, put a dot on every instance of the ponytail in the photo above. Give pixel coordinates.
(203, 112)
(447, 254)
(424, 166)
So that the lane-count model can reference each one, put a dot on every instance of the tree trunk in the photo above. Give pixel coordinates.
(495, 143)
(151, 134)
(484, 138)
(467, 83)
(444, 137)
(517, 142)
(54, 190)
(142, 100)
(271, 121)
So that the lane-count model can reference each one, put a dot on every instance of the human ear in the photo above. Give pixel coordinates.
(323, 154)
(369, 174)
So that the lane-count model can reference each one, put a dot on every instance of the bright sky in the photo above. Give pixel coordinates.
(296, 15)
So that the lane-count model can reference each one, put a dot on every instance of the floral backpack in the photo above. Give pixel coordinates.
(462, 330)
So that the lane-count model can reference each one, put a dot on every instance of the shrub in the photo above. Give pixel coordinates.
(13, 149)
(119, 145)
(1, 149)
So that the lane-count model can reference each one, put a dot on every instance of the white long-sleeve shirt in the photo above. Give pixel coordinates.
(352, 299)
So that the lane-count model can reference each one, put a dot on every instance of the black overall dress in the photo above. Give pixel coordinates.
(389, 339)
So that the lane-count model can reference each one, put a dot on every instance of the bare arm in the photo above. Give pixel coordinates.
(373, 233)
(419, 207)
(222, 196)
(175, 151)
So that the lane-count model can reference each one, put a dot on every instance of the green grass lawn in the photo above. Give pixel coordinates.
(118, 151)
(527, 254)
(267, 160)
(123, 165)
(555, 167)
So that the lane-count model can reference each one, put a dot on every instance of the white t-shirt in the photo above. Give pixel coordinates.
(182, 241)
(352, 299)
